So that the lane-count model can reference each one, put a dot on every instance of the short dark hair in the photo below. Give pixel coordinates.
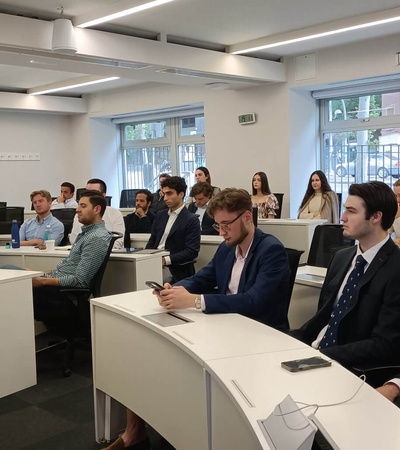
(95, 199)
(377, 196)
(68, 185)
(164, 175)
(231, 199)
(397, 183)
(103, 186)
(177, 183)
(147, 193)
(265, 189)
(202, 187)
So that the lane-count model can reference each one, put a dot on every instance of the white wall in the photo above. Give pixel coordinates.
(282, 143)
(33, 132)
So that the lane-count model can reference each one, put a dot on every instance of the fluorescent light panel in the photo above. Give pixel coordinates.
(72, 86)
(123, 13)
(319, 35)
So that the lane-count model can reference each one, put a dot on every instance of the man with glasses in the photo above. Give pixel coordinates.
(249, 273)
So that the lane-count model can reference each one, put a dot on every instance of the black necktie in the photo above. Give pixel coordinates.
(345, 300)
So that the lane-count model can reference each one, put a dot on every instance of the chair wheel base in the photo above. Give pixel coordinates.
(67, 373)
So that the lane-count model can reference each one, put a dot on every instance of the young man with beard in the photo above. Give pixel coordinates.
(250, 269)
(251, 272)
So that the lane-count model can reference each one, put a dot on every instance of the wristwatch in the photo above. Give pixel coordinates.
(197, 302)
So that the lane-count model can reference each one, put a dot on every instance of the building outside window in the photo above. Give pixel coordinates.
(360, 139)
(173, 145)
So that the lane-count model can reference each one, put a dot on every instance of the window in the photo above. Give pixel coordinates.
(360, 139)
(150, 147)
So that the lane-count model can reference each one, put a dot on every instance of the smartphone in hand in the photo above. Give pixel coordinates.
(154, 285)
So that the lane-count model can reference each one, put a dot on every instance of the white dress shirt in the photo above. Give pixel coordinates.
(369, 255)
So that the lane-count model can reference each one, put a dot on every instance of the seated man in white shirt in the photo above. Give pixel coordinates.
(112, 217)
(66, 197)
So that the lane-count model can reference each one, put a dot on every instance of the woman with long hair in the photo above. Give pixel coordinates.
(319, 201)
(203, 174)
(262, 198)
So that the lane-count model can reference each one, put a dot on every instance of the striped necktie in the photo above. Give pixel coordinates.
(345, 301)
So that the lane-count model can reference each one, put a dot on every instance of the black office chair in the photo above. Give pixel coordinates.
(294, 259)
(339, 196)
(66, 216)
(278, 212)
(77, 328)
(3, 204)
(128, 198)
(326, 241)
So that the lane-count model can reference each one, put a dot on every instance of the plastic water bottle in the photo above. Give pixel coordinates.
(15, 234)
(47, 235)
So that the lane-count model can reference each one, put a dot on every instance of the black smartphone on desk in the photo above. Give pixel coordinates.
(298, 365)
(154, 285)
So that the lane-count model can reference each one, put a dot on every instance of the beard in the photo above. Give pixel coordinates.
(242, 236)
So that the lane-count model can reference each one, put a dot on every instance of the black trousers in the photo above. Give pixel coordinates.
(51, 305)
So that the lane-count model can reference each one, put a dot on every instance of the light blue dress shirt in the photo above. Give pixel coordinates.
(32, 229)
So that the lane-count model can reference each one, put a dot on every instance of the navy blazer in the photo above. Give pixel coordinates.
(263, 292)
(183, 241)
(206, 223)
(369, 333)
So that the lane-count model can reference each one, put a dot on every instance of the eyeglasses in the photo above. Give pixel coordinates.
(227, 225)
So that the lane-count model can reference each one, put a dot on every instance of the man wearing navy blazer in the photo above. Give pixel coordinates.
(177, 230)
(249, 273)
(202, 192)
(368, 333)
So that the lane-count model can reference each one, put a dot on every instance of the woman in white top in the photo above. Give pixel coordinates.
(396, 223)
(262, 198)
(319, 202)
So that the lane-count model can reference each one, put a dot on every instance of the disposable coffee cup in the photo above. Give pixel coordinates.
(50, 244)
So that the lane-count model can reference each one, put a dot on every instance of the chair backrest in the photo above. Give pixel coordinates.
(66, 216)
(339, 196)
(98, 278)
(326, 241)
(3, 204)
(294, 259)
(255, 216)
(128, 198)
(278, 212)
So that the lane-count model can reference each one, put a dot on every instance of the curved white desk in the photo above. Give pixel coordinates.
(17, 338)
(125, 272)
(179, 378)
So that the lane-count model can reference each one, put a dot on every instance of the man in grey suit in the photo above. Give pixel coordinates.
(368, 326)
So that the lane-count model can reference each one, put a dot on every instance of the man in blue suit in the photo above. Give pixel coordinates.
(249, 273)
(177, 230)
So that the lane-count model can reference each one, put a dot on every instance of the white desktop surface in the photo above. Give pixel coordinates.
(367, 422)
(17, 343)
(124, 272)
(162, 375)
(293, 233)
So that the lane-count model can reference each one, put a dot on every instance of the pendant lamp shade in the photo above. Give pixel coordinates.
(63, 40)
